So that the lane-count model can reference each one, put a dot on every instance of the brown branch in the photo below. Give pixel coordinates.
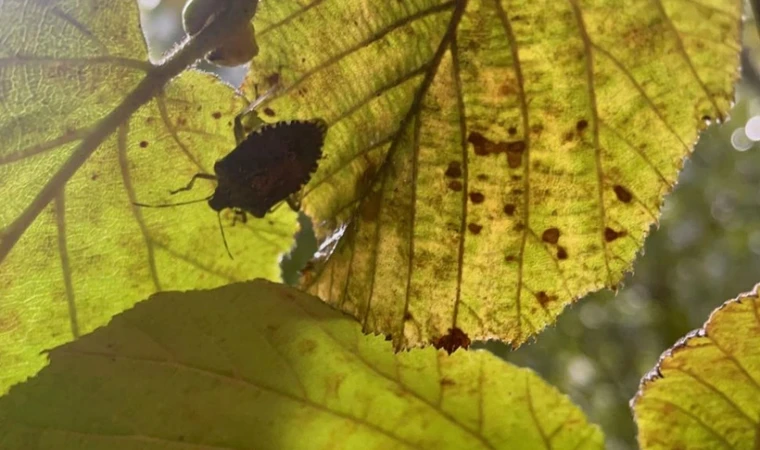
(186, 54)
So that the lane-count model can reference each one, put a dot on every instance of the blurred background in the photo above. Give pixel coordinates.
(705, 251)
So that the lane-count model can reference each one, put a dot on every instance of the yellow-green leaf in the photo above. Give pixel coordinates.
(73, 248)
(260, 365)
(489, 161)
(704, 392)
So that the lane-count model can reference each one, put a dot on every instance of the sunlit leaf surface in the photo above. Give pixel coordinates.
(258, 365)
(705, 391)
(66, 267)
(489, 161)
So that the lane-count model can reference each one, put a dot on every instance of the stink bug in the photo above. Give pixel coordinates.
(269, 165)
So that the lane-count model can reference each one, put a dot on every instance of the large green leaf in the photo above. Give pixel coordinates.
(259, 365)
(704, 392)
(489, 161)
(73, 249)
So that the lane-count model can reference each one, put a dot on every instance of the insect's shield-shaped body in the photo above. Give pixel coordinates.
(268, 166)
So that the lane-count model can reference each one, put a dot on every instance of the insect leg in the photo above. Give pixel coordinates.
(239, 216)
(204, 176)
(294, 203)
(248, 120)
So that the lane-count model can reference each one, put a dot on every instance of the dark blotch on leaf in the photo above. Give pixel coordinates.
(514, 153)
(477, 198)
(581, 125)
(512, 131)
(216, 115)
(370, 209)
(509, 209)
(474, 228)
(447, 382)
(485, 147)
(610, 234)
(454, 170)
(269, 112)
(455, 339)
(544, 298)
(455, 186)
(561, 253)
(551, 235)
(143, 144)
(622, 194)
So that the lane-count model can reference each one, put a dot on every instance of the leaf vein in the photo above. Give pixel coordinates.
(514, 50)
(63, 251)
(136, 212)
(596, 122)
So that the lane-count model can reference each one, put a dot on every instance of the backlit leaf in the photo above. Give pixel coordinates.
(259, 365)
(66, 69)
(705, 391)
(489, 161)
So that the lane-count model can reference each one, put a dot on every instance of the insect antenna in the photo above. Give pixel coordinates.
(168, 205)
(224, 238)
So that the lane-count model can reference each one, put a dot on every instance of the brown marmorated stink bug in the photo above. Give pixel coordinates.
(270, 164)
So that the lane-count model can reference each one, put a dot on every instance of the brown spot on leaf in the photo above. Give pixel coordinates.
(509, 209)
(623, 194)
(477, 198)
(545, 298)
(269, 112)
(454, 170)
(408, 316)
(514, 153)
(94, 176)
(447, 382)
(143, 144)
(484, 147)
(567, 137)
(581, 125)
(307, 346)
(537, 128)
(512, 131)
(370, 209)
(610, 234)
(273, 79)
(510, 258)
(455, 186)
(561, 253)
(453, 340)
(474, 228)
(216, 115)
(551, 235)
(10, 321)
(482, 177)
(507, 89)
